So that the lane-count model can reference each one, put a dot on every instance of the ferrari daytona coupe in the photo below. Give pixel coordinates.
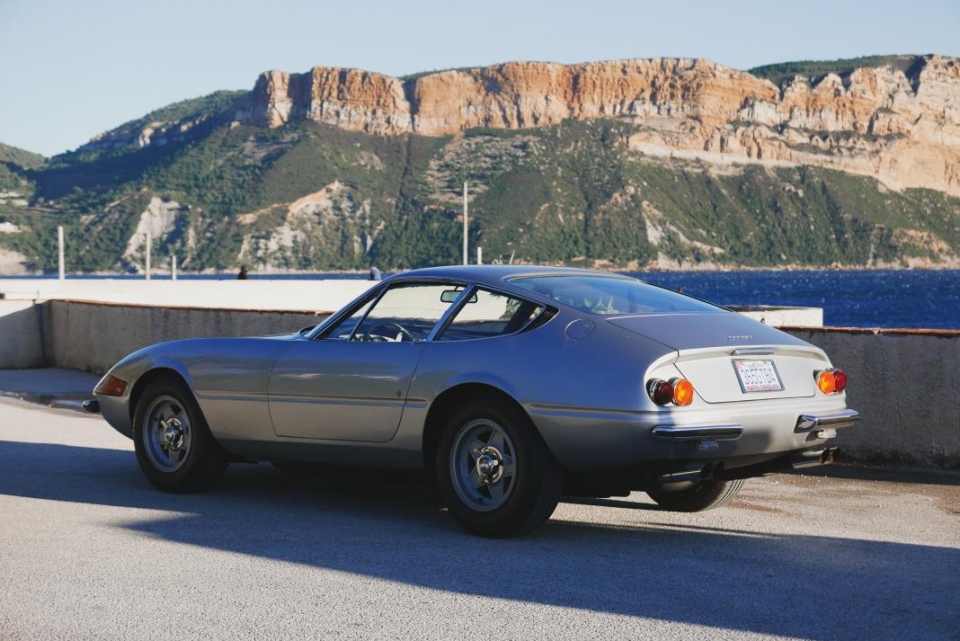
(513, 385)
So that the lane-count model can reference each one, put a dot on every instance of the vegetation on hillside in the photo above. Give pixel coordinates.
(22, 158)
(782, 72)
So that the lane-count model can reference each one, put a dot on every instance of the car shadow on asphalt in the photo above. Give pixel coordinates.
(686, 569)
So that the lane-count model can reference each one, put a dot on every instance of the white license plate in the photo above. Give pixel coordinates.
(758, 376)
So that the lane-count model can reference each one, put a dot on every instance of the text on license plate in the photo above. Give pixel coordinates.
(758, 376)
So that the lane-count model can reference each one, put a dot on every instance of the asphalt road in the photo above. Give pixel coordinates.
(89, 550)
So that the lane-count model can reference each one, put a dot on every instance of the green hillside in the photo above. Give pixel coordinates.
(20, 157)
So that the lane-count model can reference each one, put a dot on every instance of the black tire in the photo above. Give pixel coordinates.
(174, 446)
(515, 495)
(697, 496)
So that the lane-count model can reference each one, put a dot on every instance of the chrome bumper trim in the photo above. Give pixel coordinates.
(837, 420)
(695, 432)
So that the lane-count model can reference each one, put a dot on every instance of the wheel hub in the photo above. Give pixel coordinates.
(490, 465)
(483, 465)
(171, 434)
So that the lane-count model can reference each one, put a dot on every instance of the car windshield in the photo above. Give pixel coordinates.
(608, 295)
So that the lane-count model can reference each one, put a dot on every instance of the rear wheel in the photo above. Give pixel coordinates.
(696, 496)
(496, 474)
(174, 446)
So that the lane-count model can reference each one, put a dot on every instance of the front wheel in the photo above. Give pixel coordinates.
(496, 474)
(174, 446)
(696, 496)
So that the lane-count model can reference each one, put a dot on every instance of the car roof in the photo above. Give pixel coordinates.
(495, 274)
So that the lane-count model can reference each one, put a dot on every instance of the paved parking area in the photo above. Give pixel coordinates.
(88, 549)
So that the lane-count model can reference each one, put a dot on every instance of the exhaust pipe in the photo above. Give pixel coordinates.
(813, 459)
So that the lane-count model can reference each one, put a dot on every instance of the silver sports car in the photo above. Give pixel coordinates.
(513, 385)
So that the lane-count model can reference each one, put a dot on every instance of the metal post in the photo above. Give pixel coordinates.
(60, 253)
(149, 243)
(479, 255)
(173, 267)
(465, 227)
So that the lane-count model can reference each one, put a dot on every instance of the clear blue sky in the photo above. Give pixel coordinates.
(72, 69)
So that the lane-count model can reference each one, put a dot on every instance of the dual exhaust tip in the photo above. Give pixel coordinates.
(709, 471)
(715, 470)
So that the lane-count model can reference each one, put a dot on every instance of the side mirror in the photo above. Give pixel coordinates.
(306, 330)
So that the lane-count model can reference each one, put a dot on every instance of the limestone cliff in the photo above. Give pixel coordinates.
(904, 131)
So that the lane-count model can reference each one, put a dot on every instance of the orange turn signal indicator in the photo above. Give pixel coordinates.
(111, 386)
(826, 382)
(682, 391)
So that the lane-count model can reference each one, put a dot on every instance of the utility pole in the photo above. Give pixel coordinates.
(60, 253)
(173, 267)
(466, 256)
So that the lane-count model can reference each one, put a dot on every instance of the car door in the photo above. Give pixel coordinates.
(350, 383)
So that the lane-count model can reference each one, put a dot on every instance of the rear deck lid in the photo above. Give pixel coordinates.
(729, 357)
(704, 330)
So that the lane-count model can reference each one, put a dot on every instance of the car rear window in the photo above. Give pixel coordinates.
(609, 295)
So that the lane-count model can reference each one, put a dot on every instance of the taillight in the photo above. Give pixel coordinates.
(830, 381)
(678, 391)
(660, 391)
(840, 380)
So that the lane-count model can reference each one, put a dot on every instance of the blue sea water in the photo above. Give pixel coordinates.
(928, 299)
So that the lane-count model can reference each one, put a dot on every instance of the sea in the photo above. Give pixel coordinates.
(914, 299)
(909, 299)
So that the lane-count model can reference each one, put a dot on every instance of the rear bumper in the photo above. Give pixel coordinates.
(821, 426)
(740, 434)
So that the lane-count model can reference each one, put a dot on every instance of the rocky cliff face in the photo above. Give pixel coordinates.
(875, 121)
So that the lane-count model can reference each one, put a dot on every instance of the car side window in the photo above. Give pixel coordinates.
(405, 313)
(344, 330)
(489, 314)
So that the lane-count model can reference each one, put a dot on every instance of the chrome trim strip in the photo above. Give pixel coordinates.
(693, 432)
(752, 351)
(836, 420)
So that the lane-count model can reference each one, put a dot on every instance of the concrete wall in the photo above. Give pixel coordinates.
(21, 340)
(782, 316)
(94, 336)
(260, 294)
(906, 385)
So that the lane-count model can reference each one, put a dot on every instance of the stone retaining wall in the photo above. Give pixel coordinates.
(906, 385)
(21, 334)
(93, 336)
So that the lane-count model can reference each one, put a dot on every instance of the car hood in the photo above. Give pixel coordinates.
(700, 330)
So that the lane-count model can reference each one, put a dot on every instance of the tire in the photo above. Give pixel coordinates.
(695, 497)
(496, 475)
(180, 455)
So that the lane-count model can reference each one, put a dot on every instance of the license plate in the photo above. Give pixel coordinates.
(758, 376)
